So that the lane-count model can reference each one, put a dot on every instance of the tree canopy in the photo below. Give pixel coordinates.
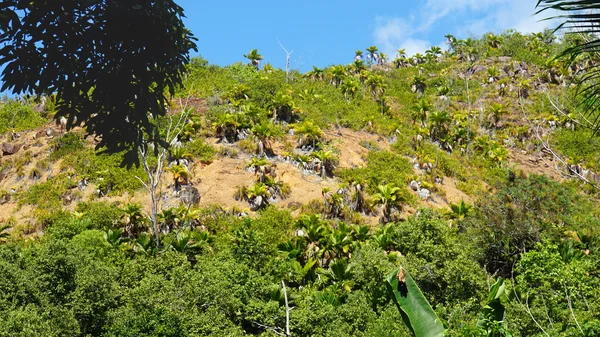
(110, 63)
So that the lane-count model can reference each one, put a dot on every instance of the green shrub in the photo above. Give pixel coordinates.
(18, 116)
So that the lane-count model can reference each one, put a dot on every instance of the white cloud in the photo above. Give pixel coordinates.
(481, 16)
(414, 46)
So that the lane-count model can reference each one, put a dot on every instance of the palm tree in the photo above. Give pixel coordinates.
(309, 134)
(180, 175)
(434, 51)
(418, 84)
(493, 74)
(264, 133)
(358, 55)
(283, 106)
(358, 66)
(420, 110)
(400, 53)
(254, 57)
(376, 84)
(350, 87)
(439, 124)
(133, 219)
(178, 154)
(258, 196)
(338, 74)
(316, 74)
(328, 161)
(372, 50)
(493, 41)
(451, 41)
(388, 196)
(496, 110)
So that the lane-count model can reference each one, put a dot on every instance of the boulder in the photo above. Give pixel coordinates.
(50, 132)
(424, 193)
(414, 185)
(294, 205)
(189, 195)
(8, 148)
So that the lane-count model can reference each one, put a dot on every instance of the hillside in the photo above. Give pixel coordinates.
(464, 166)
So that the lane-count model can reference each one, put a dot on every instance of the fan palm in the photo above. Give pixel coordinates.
(254, 57)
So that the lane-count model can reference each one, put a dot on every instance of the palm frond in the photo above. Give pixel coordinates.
(580, 17)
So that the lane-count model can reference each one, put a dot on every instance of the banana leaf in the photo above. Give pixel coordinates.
(416, 311)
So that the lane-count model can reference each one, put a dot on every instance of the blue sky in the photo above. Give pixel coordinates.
(328, 31)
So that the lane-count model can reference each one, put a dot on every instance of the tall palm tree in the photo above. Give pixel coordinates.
(254, 57)
(358, 55)
(372, 50)
(388, 196)
(451, 41)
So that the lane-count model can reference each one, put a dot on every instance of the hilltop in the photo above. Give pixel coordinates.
(465, 166)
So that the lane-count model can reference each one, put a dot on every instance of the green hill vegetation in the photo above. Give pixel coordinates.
(298, 194)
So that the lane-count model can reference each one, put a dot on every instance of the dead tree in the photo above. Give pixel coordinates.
(149, 147)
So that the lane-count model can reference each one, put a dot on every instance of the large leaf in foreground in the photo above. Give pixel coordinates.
(414, 307)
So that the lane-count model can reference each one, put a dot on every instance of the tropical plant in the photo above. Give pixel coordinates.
(309, 134)
(337, 75)
(439, 121)
(316, 74)
(416, 311)
(350, 87)
(459, 211)
(254, 57)
(181, 175)
(133, 219)
(376, 85)
(283, 106)
(388, 196)
(264, 134)
(372, 50)
(421, 110)
(178, 154)
(328, 162)
(418, 84)
(496, 111)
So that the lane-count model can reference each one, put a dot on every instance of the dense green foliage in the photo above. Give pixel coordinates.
(517, 256)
